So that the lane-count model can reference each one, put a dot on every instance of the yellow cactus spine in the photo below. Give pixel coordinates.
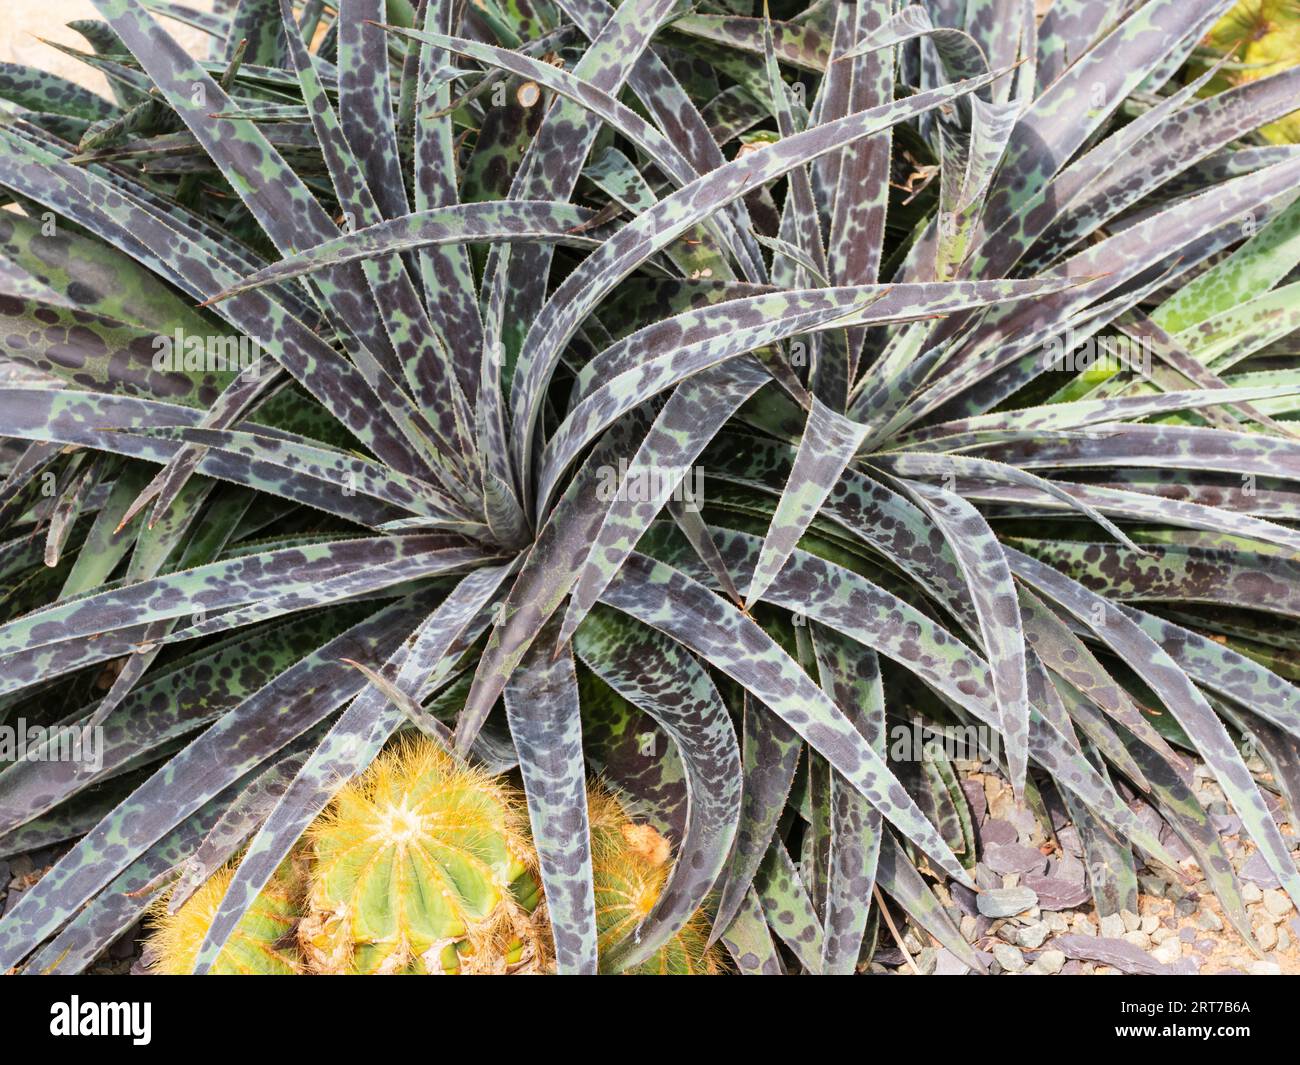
(422, 865)
(262, 944)
(1264, 38)
(630, 866)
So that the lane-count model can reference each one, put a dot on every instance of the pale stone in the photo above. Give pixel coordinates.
(1276, 902)
(1168, 952)
(1266, 933)
(1112, 926)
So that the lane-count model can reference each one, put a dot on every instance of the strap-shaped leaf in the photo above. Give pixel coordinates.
(770, 754)
(639, 663)
(553, 163)
(466, 223)
(676, 114)
(749, 942)
(1223, 670)
(258, 23)
(200, 269)
(1157, 446)
(237, 822)
(960, 53)
(545, 721)
(828, 445)
(912, 464)
(1121, 168)
(850, 674)
(1251, 270)
(1074, 106)
(545, 577)
(1112, 873)
(446, 272)
(1062, 416)
(1110, 263)
(198, 688)
(1177, 692)
(671, 601)
(1065, 654)
(1066, 31)
(1225, 575)
(668, 219)
(993, 593)
(351, 744)
(357, 475)
(122, 903)
(787, 907)
(271, 190)
(1183, 811)
(98, 421)
(900, 880)
(212, 587)
(592, 97)
(302, 696)
(694, 413)
(421, 353)
(840, 599)
(855, 245)
(39, 90)
(630, 389)
(874, 304)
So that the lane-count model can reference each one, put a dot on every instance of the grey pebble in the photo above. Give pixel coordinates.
(1006, 902)
(1257, 871)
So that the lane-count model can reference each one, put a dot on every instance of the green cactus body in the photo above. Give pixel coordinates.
(262, 944)
(419, 867)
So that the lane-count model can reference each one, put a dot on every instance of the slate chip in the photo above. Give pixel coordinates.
(1120, 955)
(1057, 893)
(964, 897)
(1006, 902)
(1013, 858)
(979, 807)
(1068, 838)
(1256, 870)
(995, 831)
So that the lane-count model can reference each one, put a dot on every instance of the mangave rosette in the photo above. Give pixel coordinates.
(674, 397)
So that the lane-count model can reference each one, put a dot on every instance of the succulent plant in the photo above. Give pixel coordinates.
(264, 943)
(1253, 40)
(420, 864)
(630, 863)
(692, 398)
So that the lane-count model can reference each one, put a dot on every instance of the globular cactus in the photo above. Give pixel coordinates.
(422, 865)
(262, 944)
(630, 865)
